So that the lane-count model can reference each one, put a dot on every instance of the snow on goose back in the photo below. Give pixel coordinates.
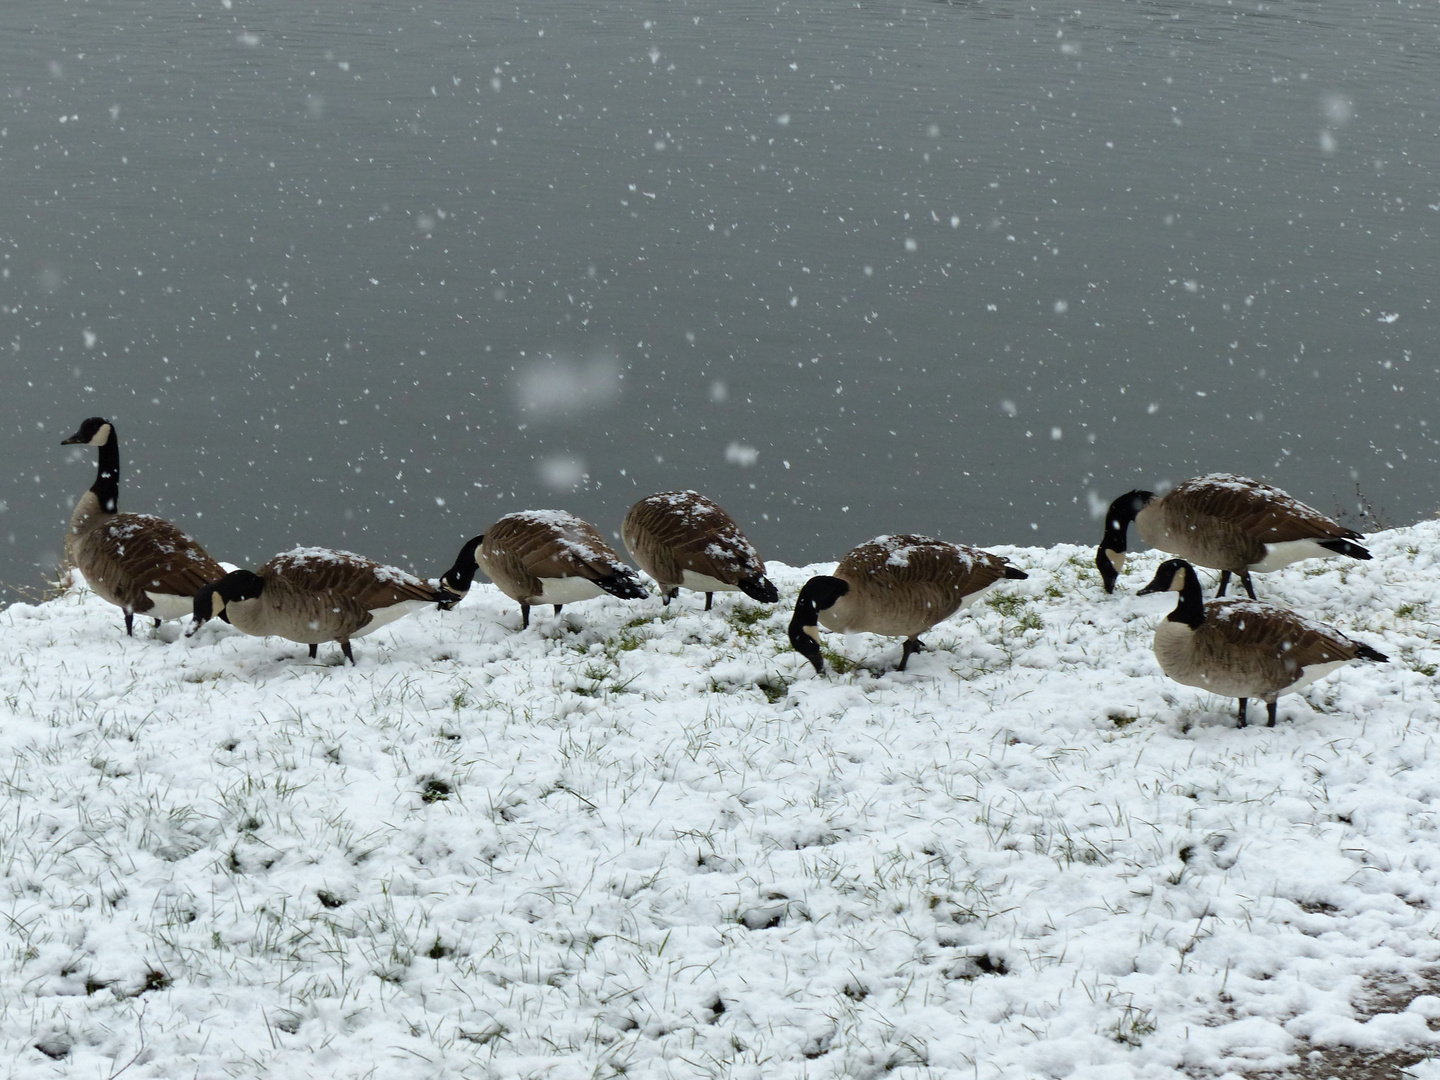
(899, 586)
(1244, 648)
(313, 595)
(140, 563)
(684, 540)
(550, 557)
(1225, 522)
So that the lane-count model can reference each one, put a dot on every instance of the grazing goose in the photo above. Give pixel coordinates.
(1225, 522)
(543, 557)
(895, 585)
(1243, 648)
(142, 564)
(312, 595)
(682, 539)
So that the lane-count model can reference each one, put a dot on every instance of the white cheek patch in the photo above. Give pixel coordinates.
(813, 632)
(217, 604)
(1117, 559)
(101, 437)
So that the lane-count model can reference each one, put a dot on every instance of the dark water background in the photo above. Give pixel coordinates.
(370, 274)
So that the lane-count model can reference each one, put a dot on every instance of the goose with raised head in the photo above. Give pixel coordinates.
(313, 595)
(684, 540)
(1227, 523)
(1244, 648)
(543, 557)
(140, 563)
(898, 586)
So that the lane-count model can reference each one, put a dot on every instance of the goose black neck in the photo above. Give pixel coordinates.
(806, 616)
(1191, 608)
(1119, 516)
(460, 576)
(107, 477)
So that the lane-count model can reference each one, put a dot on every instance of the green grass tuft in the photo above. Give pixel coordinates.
(1009, 604)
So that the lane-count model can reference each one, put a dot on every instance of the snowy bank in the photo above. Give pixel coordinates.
(655, 843)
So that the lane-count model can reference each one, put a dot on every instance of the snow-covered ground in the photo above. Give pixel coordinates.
(654, 844)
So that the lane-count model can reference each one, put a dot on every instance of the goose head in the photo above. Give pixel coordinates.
(456, 581)
(819, 593)
(97, 431)
(1110, 555)
(210, 601)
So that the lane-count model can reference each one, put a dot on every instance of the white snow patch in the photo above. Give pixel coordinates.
(666, 843)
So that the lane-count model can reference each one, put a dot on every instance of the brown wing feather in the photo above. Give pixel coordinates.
(346, 578)
(552, 544)
(683, 530)
(926, 578)
(131, 554)
(506, 568)
(288, 609)
(1290, 640)
(1263, 513)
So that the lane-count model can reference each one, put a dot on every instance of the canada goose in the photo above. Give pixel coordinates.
(895, 585)
(683, 539)
(1243, 648)
(312, 595)
(142, 564)
(1226, 522)
(543, 557)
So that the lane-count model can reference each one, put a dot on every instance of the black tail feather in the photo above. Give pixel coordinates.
(760, 588)
(625, 584)
(1015, 575)
(1345, 547)
(1365, 652)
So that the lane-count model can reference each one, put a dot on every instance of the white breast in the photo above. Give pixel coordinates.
(168, 606)
(702, 583)
(1289, 551)
(1311, 673)
(970, 598)
(384, 616)
(566, 590)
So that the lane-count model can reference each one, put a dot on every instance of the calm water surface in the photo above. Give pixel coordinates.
(370, 275)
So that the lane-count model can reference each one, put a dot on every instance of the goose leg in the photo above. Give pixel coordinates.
(345, 648)
(1249, 586)
(314, 651)
(129, 623)
(157, 624)
(1270, 712)
(709, 599)
(1243, 703)
(668, 594)
(912, 646)
(524, 616)
(557, 608)
(1224, 584)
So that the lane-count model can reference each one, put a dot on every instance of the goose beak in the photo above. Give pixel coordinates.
(1162, 582)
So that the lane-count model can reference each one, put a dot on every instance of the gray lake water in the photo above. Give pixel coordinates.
(369, 275)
